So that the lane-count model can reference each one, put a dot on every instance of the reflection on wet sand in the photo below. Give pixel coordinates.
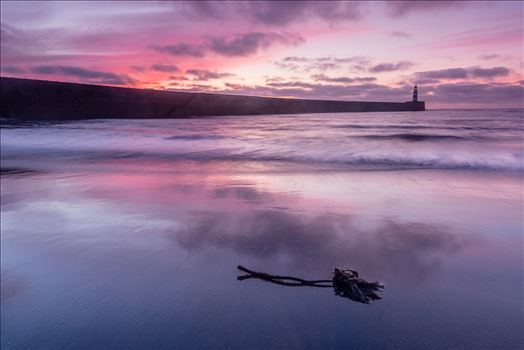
(226, 212)
(158, 242)
(246, 193)
(412, 250)
(11, 285)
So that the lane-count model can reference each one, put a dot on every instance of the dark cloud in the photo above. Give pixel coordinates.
(275, 13)
(293, 84)
(295, 59)
(460, 73)
(449, 73)
(364, 79)
(92, 76)
(181, 49)
(322, 64)
(193, 88)
(292, 67)
(204, 74)
(360, 60)
(478, 72)
(358, 68)
(401, 8)
(478, 94)
(489, 57)
(391, 67)
(274, 79)
(364, 60)
(201, 10)
(322, 77)
(170, 68)
(178, 77)
(424, 81)
(239, 45)
(251, 43)
(260, 90)
(400, 34)
(284, 12)
(138, 69)
(237, 87)
(12, 69)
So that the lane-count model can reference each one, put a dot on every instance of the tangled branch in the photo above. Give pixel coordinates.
(345, 282)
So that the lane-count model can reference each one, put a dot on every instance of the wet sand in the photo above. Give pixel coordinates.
(130, 253)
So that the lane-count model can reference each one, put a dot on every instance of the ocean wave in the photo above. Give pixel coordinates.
(415, 137)
(372, 162)
(378, 161)
(369, 162)
(433, 140)
(195, 137)
(423, 127)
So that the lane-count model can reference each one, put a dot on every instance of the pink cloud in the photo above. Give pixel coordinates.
(316, 50)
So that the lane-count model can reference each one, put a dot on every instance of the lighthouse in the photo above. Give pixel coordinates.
(415, 104)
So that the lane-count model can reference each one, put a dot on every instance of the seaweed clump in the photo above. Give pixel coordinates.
(345, 282)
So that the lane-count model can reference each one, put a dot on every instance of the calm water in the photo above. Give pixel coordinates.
(127, 233)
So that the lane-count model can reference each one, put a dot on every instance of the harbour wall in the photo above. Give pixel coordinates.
(44, 100)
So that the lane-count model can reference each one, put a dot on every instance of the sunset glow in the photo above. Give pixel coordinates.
(461, 54)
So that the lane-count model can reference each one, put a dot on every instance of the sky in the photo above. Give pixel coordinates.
(461, 54)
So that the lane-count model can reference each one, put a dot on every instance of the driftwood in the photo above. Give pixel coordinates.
(345, 282)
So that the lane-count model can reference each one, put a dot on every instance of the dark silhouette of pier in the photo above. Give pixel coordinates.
(45, 100)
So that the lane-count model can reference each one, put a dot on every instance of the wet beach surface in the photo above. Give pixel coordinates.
(127, 234)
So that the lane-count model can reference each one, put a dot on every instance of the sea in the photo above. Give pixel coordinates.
(127, 234)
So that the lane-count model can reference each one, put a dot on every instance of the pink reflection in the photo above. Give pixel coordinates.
(386, 223)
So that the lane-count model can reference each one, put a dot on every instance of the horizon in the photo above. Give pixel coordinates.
(462, 55)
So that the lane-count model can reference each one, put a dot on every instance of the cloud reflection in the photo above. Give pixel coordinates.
(412, 250)
(306, 233)
(245, 193)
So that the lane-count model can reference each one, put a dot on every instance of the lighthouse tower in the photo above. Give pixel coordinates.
(415, 94)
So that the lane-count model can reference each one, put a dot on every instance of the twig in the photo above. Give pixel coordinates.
(298, 282)
(346, 283)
